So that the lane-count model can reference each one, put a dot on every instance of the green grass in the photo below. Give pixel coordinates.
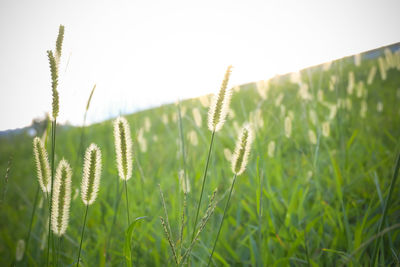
(308, 205)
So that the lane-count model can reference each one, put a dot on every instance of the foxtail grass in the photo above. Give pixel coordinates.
(239, 162)
(90, 183)
(176, 247)
(20, 250)
(6, 177)
(123, 149)
(61, 198)
(61, 202)
(54, 61)
(82, 138)
(42, 165)
(203, 222)
(216, 118)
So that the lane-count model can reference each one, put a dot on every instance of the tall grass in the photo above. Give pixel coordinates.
(315, 191)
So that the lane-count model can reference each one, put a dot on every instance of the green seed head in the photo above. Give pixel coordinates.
(42, 165)
(91, 174)
(242, 150)
(54, 83)
(220, 105)
(123, 148)
(61, 198)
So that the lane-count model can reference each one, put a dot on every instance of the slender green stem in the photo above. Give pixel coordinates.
(48, 230)
(202, 187)
(53, 148)
(81, 142)
(386, 208)
(83, 231)
(222, 221)
(182, 139)
(58, 250)
(32, 216)
(127, 203)
(306, 247)
(116, 206)
(127, 212)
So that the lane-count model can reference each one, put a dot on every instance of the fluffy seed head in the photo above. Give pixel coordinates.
(278, 99)
(379, 106)
(313, 116)
(332, 82)
(312, 137)
(91, 174)
(90, 98)
(332, 111)
(326, 129)
(61, 198)
(197, 117)
(184, 180)
(271, 149)
(288, 126)
(227, 154)
(205, 100)
(242, 150)
(371, 75)
(59, 42)
(220, 105)
(142, 140)
(123, 148)
(357, 59)
(54, 83)
(351, 81)
(42, 164)
(363, 109)
(382, 68)
(193, 138)
(20, 250)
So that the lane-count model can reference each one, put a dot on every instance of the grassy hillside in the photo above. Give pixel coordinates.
(312, 196)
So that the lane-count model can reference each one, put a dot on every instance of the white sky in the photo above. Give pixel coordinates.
(145, 53)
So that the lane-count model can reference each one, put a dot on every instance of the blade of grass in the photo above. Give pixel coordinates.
(222, 220)
(386, 208)
(202, 186)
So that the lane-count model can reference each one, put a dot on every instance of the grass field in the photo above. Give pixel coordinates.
(312, 196)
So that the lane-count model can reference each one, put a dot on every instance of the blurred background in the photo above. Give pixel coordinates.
(142, 54)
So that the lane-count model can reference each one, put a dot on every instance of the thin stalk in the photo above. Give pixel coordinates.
(116, 206)
(183, 201)
(386, 208)
(306, 247)
(202, 187)
(58, 250)
(48, 230)
(182, 139)
(83, 231)
(127, 203)
(222, 221)
(32, 215)
(81, 142)
(53, 148)
(260, 212)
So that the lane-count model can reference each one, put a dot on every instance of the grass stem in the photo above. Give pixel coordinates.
(386, 208)
(222, 220)
(127, 202)
(83, 231)
(32, 216)
(53, 148)
(202, 187)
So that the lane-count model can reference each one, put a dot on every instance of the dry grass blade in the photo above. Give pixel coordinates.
(167, 226)
(203, 222)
